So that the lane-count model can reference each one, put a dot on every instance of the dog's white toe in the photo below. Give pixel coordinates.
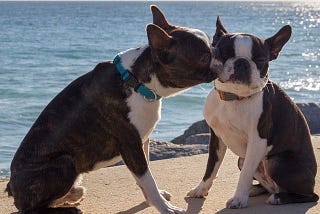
(165, 194)
(237, 202)
(273, 200)
(199, 191)
(72, 198)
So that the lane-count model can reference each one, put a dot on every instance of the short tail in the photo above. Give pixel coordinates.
(8, 189)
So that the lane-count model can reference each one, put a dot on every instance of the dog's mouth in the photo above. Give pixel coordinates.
(212, 73)
(208, 76)
(224, 81)
(216, 66)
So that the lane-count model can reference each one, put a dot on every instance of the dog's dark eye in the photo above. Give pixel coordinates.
(205, 58)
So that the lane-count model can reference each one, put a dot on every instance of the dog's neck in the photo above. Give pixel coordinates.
(139, 62)
(240, 90)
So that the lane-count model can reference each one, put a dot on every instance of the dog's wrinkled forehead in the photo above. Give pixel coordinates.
(235, 45)
(195, 32)
(193, 41)
(200, 34)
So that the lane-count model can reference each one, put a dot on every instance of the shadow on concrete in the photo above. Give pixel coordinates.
(70, 210)
(258, 205)
(135, 209)
(194, 204)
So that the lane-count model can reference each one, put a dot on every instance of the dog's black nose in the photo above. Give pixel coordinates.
(241, 65)
(242, 71)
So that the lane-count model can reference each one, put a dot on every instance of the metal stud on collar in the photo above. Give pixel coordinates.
(151, 99)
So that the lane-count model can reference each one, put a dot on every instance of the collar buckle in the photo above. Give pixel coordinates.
(151, 99)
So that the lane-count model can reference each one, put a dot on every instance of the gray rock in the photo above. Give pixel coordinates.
(196, 128)
(163, 150)
(311, 112)
(202, 138)
(197, 132)
(195, 139)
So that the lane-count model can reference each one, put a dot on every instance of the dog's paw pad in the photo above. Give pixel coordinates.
(237, 202)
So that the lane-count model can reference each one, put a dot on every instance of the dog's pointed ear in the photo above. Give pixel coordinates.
(277, 41)
(220, 31)
(161, 43)
(159, 18)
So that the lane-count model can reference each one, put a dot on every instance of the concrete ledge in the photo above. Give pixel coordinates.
(113, 190)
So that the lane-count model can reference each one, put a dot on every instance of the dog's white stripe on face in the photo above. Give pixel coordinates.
(243, 46)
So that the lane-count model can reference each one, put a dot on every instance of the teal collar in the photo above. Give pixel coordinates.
(133, 82)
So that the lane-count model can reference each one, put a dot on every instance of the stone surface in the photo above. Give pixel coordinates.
(164, 150)
(198, 127)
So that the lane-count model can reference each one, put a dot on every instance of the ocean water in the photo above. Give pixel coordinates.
(45, 45)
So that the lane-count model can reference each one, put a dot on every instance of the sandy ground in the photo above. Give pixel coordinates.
(113, 190)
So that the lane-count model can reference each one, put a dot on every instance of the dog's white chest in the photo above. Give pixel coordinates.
(143, 114)
(234, 122)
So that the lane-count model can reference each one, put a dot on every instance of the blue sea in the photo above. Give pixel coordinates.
(45, 45)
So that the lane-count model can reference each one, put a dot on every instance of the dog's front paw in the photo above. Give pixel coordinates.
(237, 202)
(170, 209)
(165, 194)
(199, 191)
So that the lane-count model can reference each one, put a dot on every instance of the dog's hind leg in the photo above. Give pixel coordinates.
(37, 188)
(295, 179)
(256, 190)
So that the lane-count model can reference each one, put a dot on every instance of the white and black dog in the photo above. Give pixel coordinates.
(257, 121)
(107, 115)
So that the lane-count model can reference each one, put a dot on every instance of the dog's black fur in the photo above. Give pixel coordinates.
(88, 122)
